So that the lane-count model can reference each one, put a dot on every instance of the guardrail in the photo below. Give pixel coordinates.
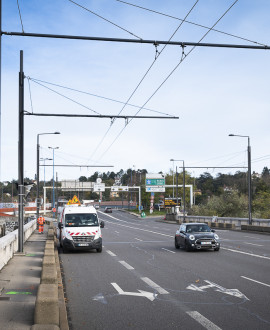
(9, 242)
(238, 222)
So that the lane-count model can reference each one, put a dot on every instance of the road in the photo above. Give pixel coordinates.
(140, 281)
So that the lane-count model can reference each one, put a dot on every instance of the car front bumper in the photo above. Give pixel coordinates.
(71, 245)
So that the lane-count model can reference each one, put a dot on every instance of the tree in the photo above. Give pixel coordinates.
(82, 178)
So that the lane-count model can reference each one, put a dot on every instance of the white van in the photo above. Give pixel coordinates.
(79, 228)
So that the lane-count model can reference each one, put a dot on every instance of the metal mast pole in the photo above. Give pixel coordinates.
(38, 204)
(21, 155)
(184, 191)
(0, 87)
(249, 185)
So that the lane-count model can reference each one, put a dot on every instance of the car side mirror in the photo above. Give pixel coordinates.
(102, 224)
(212, 230)
(60, 225)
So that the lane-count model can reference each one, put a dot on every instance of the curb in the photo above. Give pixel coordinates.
(50, 307)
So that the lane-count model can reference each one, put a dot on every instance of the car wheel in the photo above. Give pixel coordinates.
(216, 249)
(176, 244)
(99, 249)
(64, 249)
(187, 247)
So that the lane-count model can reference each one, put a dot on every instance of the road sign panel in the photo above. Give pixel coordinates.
(155, 189)
(99, 187)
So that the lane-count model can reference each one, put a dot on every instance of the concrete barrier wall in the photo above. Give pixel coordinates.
(9, 242)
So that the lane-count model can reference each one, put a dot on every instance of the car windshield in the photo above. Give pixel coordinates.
(198, 229)
(81, 220)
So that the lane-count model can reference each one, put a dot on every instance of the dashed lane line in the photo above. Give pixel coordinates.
(253, 244)
(168, 250)
(203, 320)
(111, 253)
(246, 253)
(125, 264)
(154, 285)
(137, 239)
(250, 279)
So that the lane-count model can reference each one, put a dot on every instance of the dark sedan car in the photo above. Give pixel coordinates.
(196, 236)
(108, 210)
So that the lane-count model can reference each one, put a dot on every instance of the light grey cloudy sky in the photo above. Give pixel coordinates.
(214, 91)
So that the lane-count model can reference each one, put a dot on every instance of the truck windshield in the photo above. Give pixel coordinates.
(81, 220)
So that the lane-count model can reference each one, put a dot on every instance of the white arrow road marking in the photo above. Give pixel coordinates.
(149, 295)
(203, 320)
(231, 292)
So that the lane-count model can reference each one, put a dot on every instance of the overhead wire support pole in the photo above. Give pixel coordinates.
(21, 157)
(138, 41)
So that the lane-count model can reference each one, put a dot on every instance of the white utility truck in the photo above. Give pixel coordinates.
(79, 228)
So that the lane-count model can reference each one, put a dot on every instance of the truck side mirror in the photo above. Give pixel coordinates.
(60, 225)
(102, 224)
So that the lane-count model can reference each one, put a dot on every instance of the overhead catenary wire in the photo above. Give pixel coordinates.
(140, 82)
(170, 74)
(105, 19)
(193, 23)
(20, 15)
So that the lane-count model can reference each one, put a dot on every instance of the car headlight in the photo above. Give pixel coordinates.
(192, 237)
(216, 236)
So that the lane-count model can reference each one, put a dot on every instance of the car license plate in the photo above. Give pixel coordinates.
(206, 243)
(83, 244)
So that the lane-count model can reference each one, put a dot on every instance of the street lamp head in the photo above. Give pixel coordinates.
(171, 160)
(56, 133)
(231, 135)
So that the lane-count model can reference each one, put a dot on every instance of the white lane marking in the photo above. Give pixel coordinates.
(203, 320)
(154, 285)
(149, 231)
(149, 295)
(117, 231)
(250, 279)
(111, 253)
(218, 288)
(251, 237)
(138, 239)
(253, 244)
(168, 250)
(249, 254)
(125, 264)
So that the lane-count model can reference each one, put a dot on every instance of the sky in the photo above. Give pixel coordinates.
(213, 91)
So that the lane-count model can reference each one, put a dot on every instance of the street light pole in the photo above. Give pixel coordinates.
(38, 147)
(184, 186)
(172, 160)
(53, 148)
(249, 178)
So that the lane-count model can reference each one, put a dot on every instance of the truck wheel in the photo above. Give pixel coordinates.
(99, 249)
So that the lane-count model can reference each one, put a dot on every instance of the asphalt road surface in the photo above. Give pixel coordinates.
(140, 281)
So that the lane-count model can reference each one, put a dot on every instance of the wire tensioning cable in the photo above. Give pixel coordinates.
(144, 76)
(181, 61)
(189, 22)
(30, 94)
(20, 15)
(105, 19)
(66, 97)
(95, 95)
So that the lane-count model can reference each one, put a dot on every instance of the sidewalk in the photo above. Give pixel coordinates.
(19, 281)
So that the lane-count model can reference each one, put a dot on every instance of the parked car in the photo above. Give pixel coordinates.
(196, 236)
(108, 210)
(96, 206)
